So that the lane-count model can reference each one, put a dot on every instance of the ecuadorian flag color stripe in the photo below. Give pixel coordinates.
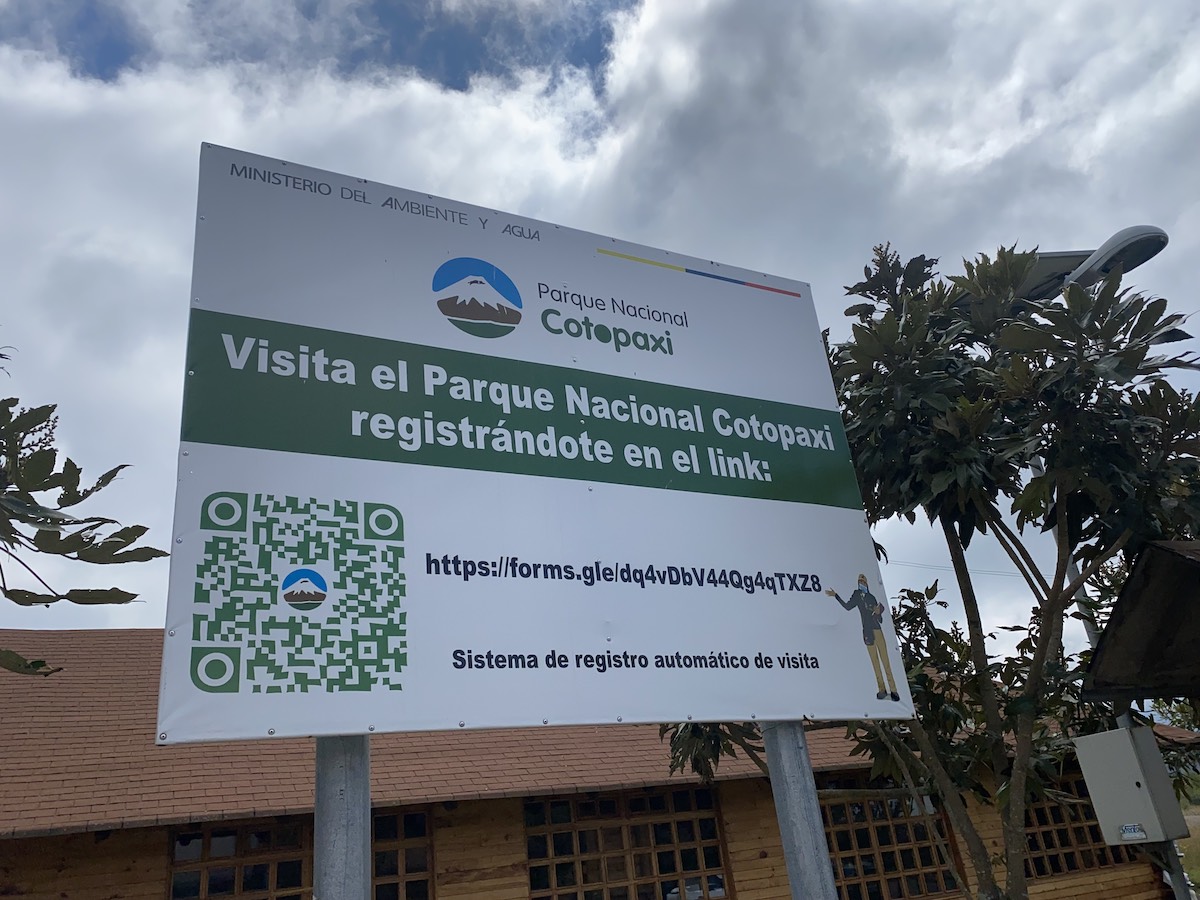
(674, 268)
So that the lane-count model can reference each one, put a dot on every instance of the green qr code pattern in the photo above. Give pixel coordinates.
(298, 594)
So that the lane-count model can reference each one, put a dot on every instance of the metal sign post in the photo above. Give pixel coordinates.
(342, 827)
(805, 850)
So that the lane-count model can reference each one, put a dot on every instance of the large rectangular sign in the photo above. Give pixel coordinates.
(446, 467)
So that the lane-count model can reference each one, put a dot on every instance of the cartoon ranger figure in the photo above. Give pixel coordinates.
(872, 611)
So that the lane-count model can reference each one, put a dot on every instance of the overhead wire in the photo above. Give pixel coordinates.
(974, 571)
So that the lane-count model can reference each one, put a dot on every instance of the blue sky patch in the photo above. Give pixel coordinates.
(446, 47)
(450, 48)
(93, 36)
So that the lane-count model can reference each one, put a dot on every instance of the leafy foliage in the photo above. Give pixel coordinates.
(35, 492)
(698, 746)
(1182, 713)
(996, 414)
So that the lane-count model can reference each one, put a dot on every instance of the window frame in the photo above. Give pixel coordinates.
(401, 844)
(1065, 838)
(886, 811)
(243, 857)
(629, 837)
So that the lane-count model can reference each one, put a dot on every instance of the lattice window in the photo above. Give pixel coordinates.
(402, 855)
(263, 860)
(272, 860)
(651, 845)
(885, 848)
(1065, 837)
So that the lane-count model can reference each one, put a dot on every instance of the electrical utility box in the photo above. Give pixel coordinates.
(1129, 786)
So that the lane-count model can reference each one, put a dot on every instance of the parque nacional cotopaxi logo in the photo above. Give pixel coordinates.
(477, 297)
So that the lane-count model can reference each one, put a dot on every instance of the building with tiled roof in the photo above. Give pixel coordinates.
(91, 808)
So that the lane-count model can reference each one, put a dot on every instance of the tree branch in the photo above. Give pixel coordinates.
(1006, 537)
(956, 808)
(30, 570)
(1094, 566)
(1062, 538)
(993, 722)
(1013, 812)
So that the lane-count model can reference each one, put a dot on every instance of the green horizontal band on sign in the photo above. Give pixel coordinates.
(247, 408)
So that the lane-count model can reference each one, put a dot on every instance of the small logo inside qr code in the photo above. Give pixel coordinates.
(297, 594)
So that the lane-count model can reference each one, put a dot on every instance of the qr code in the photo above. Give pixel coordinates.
(298, 594)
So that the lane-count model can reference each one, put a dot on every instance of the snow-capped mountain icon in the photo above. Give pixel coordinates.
(477, 297)
(304, 589)
(474, 299)
(304, 586)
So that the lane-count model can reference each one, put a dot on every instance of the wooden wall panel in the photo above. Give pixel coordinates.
(1132, 881)
(479, 851)
(758, 872)
(118, 865)
(1129, 881)
(752, 840)
(479, 854)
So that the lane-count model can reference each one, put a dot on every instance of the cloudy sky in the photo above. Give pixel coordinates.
(786, 136)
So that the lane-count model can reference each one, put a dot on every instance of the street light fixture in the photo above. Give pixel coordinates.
(1128, 248)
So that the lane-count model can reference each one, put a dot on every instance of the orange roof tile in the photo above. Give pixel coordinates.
(79, 751)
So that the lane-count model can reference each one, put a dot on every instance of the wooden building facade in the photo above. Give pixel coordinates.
(90, 809)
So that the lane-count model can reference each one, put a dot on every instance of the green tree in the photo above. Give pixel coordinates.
(995, 414)
(1181, 712)
(36, 489)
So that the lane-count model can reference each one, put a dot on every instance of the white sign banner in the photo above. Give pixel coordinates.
(446, 467)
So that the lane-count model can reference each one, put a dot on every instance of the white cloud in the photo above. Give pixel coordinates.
(782, 137)
(98, 259)
(278, 32)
